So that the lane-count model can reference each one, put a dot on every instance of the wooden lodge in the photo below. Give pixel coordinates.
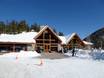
(45, 40)
(72, 41)
(75, 41)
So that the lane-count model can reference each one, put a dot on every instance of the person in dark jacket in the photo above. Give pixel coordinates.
(73, 52)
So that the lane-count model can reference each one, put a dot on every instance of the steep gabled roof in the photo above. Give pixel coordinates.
(68, 38)
(43, 29)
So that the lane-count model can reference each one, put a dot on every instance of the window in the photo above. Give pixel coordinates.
(74, 41)
(46, 35)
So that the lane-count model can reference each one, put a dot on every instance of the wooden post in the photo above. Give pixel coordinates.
(13, 47)
(43, 42)
(50, 41)
(33, 46)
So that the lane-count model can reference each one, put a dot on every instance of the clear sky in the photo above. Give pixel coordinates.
(81, 16)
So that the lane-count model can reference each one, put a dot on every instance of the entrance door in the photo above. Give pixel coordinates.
(47, 47)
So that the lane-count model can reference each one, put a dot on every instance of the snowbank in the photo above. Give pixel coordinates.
(9, 69)
(97, 55)
(29, 54)
(21, 54)
(71, 67)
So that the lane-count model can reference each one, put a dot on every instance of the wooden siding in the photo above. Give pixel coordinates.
(47, 41)
(76, 42)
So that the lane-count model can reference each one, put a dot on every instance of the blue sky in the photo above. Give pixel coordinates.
(81, 16)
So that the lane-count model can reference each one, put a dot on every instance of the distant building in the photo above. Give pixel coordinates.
(88, 45)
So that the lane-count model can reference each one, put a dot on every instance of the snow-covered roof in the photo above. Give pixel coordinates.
(25, 37)
(66, 39)
(44, 28)
(87, 43)
(63, 39)
(70, 37)
(29, 37)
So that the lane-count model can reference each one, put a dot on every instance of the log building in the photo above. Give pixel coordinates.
(46, 40)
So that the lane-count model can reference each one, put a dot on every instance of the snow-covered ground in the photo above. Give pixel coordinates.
(80, 66)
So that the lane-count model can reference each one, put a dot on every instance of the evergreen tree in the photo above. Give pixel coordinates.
(13, 27)
(35, 27)
(23, 26)
(54, 30)
(61, 34)
(97, 38)
(2, 27)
